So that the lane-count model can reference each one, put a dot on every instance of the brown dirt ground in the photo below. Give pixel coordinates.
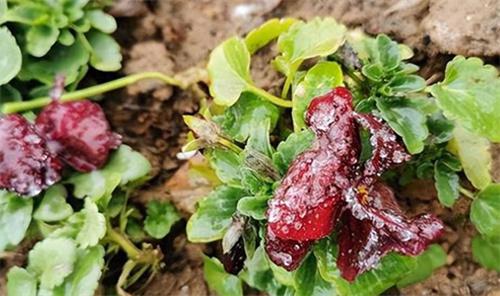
(174, 35)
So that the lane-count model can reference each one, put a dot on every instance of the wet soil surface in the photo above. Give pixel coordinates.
(174, 35)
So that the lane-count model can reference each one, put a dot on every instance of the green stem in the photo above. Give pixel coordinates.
(228, 144)
(132, 251)
(15, 107)
(286, 86)
(271, 98)
(466, 192)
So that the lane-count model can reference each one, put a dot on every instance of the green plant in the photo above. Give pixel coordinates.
(250, 139)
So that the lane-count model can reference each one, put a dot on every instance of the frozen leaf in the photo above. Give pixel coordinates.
(265, 33)
(93, 226)
(254, 206)
(474, 154)
(224, 284)
(15, 217)
(214, 214)
(11, 58)
(226, 165)
(53, 206)
(160, 218)
(95, 185)
(131, 165)
(485, 211)
(20, 281)
(470, 94)
(52, 260)
(318, 80)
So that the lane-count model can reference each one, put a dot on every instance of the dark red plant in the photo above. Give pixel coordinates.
(78, 132)
(326, 187)
(26, 166)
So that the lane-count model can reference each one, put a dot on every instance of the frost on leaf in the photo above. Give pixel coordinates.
(325, 188)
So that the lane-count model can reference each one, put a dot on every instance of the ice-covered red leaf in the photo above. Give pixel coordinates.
(308, 201)
(286, 253)
(78, 132)
(26, 165)
(374, 225)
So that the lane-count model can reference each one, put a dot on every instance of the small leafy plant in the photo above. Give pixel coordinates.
(42, 39)
(305, 204)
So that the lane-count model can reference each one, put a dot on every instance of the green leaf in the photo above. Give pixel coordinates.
(226, 165)
(11, 58)
(86, 275)
(289, 149)
(486, 252)
(320, 79)
(40, 39)
(96, 185)
(431, 259)
(20, 282)
(15, 217)
(258, 274)
(223, 283)
(106, 54)
(392, 268)
(388, 52)
(53, 206)
(402, 84)
(318, 37)
(66, 38)
(3, 8)
(265, 33)
(474, 154)
(249, 111)
(470, 94)
(447, 184)
(101, 21)
(52, 260)
(93, 227)
(64, 60)
(30, 13)
(160, 218)
(254, 206)
(485, 211)
(440, 128)
(308, 281)
(129, 164)
(406, 120)
(214, 214)
(229, 71)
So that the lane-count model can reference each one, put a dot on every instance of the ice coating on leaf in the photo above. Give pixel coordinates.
(387, 151)
(26, 165)
(325, 187)
(78, 132)
(307, 203)
(286, 253)
(374, 225)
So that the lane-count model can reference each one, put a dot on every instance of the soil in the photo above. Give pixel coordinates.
(175, 35)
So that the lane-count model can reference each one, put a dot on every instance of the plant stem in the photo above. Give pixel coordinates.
(228, 144)
(89, 92)
(466, 192)
(271, 98)
(132, 251)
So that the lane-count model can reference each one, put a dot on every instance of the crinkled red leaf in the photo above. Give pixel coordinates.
(26, 165)
(374, 225)
(286, 253)
(78, 132)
